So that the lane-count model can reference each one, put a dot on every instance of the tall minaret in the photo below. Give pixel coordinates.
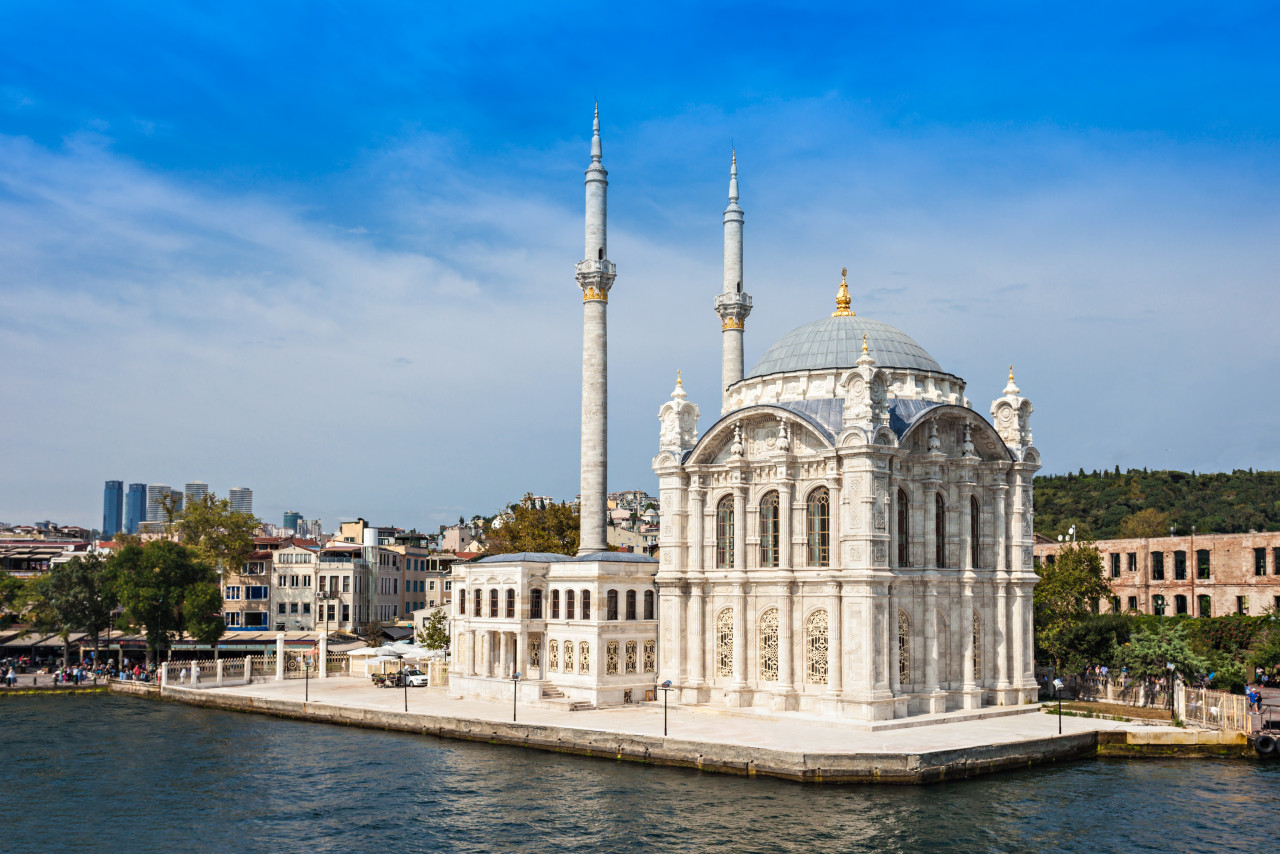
(595, 277)
(732, 304)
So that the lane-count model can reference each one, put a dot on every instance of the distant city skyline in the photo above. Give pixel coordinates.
(340, 268)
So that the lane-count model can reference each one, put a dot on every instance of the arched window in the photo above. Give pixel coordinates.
(815, 648)
(611, 605)
(479, 601)
(555, 604)
(977, 647)
(904, 648)
(724, 532)
(1157, 605)
(724, 643)
(904, 530)
(648, 604)
(631, 604)
(819, 526)
(769, 646)
(535, 604)
(939, 530)
(553, 656)
(586, 604)
(584, 657)
(511, 604)
(769, 530)
(1179, 604)
(568, 604)
(568, 656)
(493, 602)
(462, 602)
(975, 531)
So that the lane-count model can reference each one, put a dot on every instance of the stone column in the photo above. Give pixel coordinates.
(504, 654)
(835, 643)
(740, 529)
(785, 490)
(324, 656)
(786, 667)
(971, 698)
(1002, 646)
(895, 673)
(930, 626)
(888, 647)
(739, 634)
(1020, 666)
(697, 636)
(279, 656)
(675, 595)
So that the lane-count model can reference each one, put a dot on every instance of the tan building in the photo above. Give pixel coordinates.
(246, 594)
(1206, 575)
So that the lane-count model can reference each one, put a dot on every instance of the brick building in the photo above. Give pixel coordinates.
(1200, 574)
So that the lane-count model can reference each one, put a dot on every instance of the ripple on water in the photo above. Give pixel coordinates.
(148, 776)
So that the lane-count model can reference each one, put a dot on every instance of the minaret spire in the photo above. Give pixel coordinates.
(595, 273)
(732, 304)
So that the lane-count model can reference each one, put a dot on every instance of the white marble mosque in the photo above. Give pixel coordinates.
(850, 539)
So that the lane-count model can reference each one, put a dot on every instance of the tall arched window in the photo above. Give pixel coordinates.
(975, 530)
(815, 648)
(568, 656)
(511, 604)
(939, 530)
(631, 605)
(904, 531)
(904, 648)
(586, 604)
(553, 655)
(493, 602)
(611, 605)
(535, 604)
(724, 643)
(769, 646)
(479, 600)
(724, 532)
(462, 603)
(648, 604)
(769, 530)
(568, 604)
(977, 647)
(555, 604)
(819, 527)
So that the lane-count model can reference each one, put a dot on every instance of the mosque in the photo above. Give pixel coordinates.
(850, 539)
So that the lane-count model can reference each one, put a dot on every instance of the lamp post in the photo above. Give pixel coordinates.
(665, 688)
(1057, 690)
(306, 679)
(515, 693)
(404, 681)
(1172, 669)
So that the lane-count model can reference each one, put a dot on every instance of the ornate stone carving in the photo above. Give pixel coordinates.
(679, 422)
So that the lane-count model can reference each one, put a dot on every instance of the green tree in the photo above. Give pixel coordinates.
(434, 635)
(1156, 645)
(74, 596)
(553, 528)
(165, 589)
(220, 536)
(1147, 522)
(1067, 595)
(11, 595)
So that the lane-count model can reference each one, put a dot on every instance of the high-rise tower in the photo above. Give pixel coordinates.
(732, 304)
(112, 508)
(135, 507)
(595, 276)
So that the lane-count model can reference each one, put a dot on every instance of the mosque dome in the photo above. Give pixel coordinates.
(836, 342)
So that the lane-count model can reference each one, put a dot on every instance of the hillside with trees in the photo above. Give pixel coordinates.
(1139, 503)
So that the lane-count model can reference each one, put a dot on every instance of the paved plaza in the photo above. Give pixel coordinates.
(790, 733)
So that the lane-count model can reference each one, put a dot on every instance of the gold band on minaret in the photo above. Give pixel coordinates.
(842, 298)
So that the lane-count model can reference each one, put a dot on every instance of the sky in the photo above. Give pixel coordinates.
(325, 250)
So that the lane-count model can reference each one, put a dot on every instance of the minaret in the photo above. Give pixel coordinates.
(732, 304)
(595, 277)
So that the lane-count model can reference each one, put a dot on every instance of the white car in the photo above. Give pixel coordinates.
(415, 677)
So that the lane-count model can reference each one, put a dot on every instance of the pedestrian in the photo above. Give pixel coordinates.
(195, 674)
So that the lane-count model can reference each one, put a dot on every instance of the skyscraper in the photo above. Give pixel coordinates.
(135, 507)
(194, 492)
(156, 494)
(241, 499)
(112, 508)
(291, 519)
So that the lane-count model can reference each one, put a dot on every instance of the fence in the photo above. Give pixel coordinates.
(1147, 692)
(1214, 709)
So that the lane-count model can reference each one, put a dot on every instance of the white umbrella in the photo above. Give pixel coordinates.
(365, 651)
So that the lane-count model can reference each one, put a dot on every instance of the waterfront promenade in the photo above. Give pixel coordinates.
(813, 750)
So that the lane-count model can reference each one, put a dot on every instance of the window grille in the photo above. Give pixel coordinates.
(650, 656)
(977, 647)
(819, 526)
(611, 658)
(724, 643)
(631, 656)
(769, 530)
(535, 650)
(815, 648)
(584, 657)
(553, 656)
(568, 656)
(904, 529)
(904, 649)
(724, 533)
(769, 646)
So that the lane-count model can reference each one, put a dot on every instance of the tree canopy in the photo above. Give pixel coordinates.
(1067, 595)
(435, 635)
(553, 528)
(1100, 503)
(219, 536)
(73, 596)
(166, 589)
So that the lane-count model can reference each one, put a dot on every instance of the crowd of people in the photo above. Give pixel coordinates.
(61, 674)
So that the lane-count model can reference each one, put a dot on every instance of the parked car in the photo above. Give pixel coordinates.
(416, 677)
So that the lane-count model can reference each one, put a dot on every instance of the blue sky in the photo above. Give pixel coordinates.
(325, 249)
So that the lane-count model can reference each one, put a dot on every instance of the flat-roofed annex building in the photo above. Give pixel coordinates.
(1204, 575)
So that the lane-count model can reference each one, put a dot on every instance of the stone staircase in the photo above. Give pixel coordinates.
(555, 698)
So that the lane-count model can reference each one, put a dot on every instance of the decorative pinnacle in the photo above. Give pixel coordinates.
(1011, 373)
(864, 342)
(842, 298)
(733, 183)
(596, 153)
(679, 380)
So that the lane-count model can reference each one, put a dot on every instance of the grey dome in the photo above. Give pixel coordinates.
(836, 342)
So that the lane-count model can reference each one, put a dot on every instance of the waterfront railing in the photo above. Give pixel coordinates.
(1214, 709)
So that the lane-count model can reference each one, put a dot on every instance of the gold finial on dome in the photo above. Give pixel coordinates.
(842, 298)
(1011, 373)
(679, 381)
(864, 342)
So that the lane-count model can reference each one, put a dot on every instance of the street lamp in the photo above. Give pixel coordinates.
(515, 693)
(665, 688)
(1057, 690)
(1172, 669)
(306, 669)
(404, 681)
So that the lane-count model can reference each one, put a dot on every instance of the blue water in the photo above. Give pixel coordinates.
(117, 774)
